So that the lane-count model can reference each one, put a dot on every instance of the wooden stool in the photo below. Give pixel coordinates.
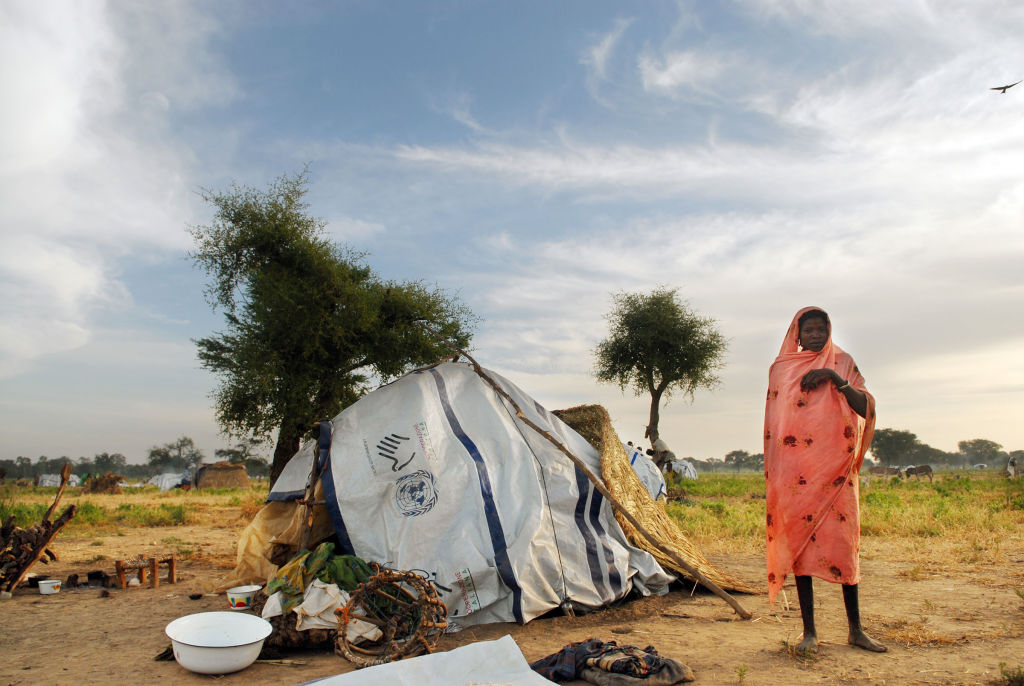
(142, 565)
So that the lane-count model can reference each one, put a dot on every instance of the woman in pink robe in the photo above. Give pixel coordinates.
(818, 423)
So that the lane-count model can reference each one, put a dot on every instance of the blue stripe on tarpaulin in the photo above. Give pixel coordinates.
(595, 517)
(323, 459)
(284, 496)
(584, 486)
(501, 559)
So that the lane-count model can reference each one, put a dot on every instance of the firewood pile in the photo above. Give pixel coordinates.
(21, 548)
(108, 483)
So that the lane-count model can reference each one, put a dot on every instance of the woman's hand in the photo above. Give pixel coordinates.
(815, 377)
(858, 401)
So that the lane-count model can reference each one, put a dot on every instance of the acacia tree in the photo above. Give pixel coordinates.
(658, 345)
(179, 454)
(307, 322)
(894, 446)
(244, 453)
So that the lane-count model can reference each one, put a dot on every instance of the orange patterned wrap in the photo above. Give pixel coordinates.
(814, 445)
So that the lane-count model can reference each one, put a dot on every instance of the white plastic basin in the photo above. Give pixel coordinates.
(49, 586)
(217, 642)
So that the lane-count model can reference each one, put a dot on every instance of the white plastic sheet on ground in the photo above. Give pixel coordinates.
(166, 482)
(485, 663)
(436, 473)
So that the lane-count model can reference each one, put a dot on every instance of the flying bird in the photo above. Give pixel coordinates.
(1003, 88)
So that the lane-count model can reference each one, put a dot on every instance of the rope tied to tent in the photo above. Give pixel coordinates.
(404, 606)
(598, 484)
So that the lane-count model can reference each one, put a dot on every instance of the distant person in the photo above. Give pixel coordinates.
(818, 422)
(661, 453)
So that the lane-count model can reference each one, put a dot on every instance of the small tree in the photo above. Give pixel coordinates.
(242, 452)
(176, 456)
(106, 462)
(308, 324)
(980, 451)
(737, 459)
(894, 446)
(658, 345)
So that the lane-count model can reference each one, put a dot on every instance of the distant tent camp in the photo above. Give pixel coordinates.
(436, 473)
(221, 475)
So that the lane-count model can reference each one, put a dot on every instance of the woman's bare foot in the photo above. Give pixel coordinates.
(810, 644)
(862, 640)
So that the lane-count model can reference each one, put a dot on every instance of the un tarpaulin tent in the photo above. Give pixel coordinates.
(53, 480)
(435, 472)
(683, 469)
(166, 482)
(648, 472)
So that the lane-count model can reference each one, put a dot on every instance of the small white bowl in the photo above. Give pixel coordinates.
(49, 586)
(240, 597)
(217, 642)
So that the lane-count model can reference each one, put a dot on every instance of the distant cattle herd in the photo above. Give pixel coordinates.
(902, 472)
(1012, 470)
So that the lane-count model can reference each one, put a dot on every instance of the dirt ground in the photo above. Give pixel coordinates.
(945, 622)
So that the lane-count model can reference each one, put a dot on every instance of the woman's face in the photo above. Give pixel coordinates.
(814, 334)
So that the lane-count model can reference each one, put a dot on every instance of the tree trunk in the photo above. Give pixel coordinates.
(288, 437)
(652, 424)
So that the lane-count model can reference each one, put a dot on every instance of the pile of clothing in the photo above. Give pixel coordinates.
(609, 664)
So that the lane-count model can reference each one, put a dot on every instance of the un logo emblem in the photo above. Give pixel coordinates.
(415, 493)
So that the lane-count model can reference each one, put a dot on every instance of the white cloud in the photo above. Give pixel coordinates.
(91, 172)
(597, 56)
(681, 70)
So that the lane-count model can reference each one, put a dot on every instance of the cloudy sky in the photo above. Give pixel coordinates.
(534, 157)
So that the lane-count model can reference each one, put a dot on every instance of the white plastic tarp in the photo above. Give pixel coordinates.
(167, 481)
(484, 662)
(650, 476)
(683, 469)
(435, 473)
(53, 480)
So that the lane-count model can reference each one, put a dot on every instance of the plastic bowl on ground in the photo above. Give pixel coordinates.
(49, 586)
(217, 642)
(240, 597)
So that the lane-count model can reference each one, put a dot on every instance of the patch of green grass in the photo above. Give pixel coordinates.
(163, 514)
(25, 514)
(1009, 677)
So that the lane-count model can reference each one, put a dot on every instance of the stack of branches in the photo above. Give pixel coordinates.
(21, 548)
(108, 483)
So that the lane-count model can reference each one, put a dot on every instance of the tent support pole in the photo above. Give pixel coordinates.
(690, 569)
